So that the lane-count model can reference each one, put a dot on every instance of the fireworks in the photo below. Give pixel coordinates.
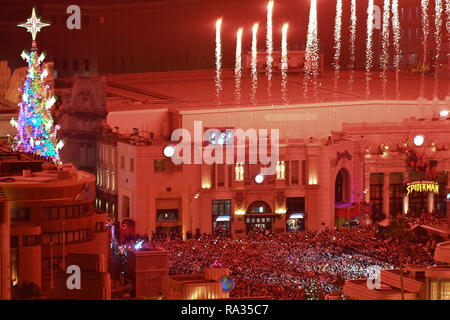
(425, 29)
(218, 58)
(254, 63)
(312, 43)
(337, 36)
(238, 63)
(385, 35)
(269, 40)
(396, 32)
(438, 37)
(396, 36)
(284, 61)
(353, 20)
(369, 53)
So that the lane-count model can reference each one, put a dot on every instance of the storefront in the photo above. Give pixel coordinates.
(295, 215)
(259, 217)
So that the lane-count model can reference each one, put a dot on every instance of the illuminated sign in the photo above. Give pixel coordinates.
(422, 186)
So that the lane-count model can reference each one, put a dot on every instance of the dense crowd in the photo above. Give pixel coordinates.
(284, 266)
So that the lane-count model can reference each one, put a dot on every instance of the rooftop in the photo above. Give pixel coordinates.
(19, 169)
(189, 90)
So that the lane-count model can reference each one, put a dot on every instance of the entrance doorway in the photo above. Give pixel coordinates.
(295, 215)
(259, 217)
(344, 211)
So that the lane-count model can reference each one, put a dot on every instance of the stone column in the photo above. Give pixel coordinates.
(386, 195)
(430, 201)
(367, 186)
(405, 197)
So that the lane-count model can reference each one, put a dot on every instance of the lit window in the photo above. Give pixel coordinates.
(159, 165)
(281, 170)
(239, 171)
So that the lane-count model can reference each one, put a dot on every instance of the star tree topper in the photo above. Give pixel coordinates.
(33, 24)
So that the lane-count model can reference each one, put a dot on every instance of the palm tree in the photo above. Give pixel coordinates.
(399, 230)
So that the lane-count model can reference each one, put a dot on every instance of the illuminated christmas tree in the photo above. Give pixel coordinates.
(36, 131)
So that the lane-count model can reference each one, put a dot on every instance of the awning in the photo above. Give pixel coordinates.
(299, 215)
(223, 218)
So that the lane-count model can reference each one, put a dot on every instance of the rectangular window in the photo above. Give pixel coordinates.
(294, 172)
(14, 242)
(65, 64)
(239, 171)
(126, 206)
(220, 175)
(131, 166)
(100, 226)
(69, 212)
(20, 214)
(159, 165)
(75, 65)
(287, 172)
(221, 207)
(69, 236)
(45, 238)
(304, 172)
(247, 174)
(122, 162)
(281, 171)
(76, 235)
(54, 214)
(213, 175)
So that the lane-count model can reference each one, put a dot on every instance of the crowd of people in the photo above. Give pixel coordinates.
(284, 266)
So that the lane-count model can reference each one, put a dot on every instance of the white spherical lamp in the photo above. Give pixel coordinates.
(169, 151)
(419, 140)
(259, 178)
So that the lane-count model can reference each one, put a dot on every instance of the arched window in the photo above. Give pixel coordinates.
(342, 186)
(258, 207)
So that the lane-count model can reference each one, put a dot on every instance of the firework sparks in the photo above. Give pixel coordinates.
(312, 50)
(337, 36)
(385, 43)
(353, 21)
(238, 64)
(396, 36)
(254, 64)
(425, 32)
(385, 34)
(438, 36)
(218, 59)
(284, 61)
(369, 53)
(312, 43)
(269, 40)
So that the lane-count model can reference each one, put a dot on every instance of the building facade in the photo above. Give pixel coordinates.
(81, 111)
(341, 159)
(51, 214)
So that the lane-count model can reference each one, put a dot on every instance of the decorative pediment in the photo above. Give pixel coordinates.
(342, 155)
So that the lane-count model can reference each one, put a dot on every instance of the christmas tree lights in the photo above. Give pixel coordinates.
(36, 130)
